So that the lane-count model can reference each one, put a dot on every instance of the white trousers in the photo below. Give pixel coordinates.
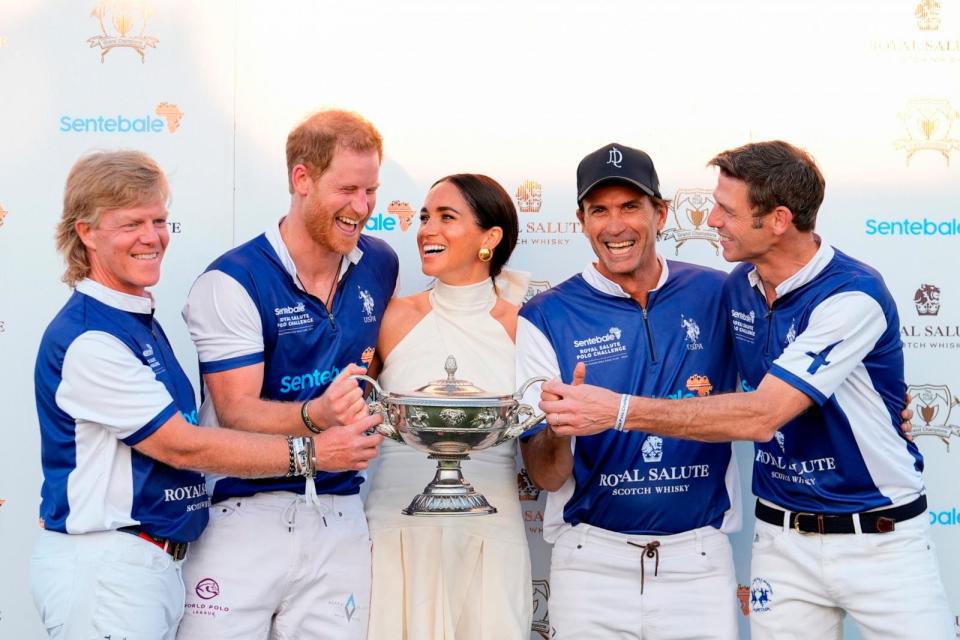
(802, 584)
(276, 566)
(107, 584)
(596, 579)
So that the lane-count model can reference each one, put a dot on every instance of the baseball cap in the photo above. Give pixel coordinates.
(617, 162)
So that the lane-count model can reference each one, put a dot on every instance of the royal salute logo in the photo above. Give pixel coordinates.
(526, 490)
(928, 123)
(652, 449)
(743, 597)
(534, 288)
(123, 24)
(529, 196)
(927, 300)
(927, 14)
(403, 212)
(761, 594)
(691, 207)
(932, 405)
(925, 332)
(541, 609)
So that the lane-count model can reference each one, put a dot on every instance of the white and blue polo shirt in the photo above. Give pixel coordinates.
(106, 379)
(248, 307)
(832, 333)
(678, 347)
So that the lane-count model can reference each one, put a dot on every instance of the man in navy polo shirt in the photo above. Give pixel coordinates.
(117, 421)
(841, 526)
(638, 521)
(280, 323)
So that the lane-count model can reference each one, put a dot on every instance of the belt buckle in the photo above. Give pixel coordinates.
(799, 514)
(177, 550)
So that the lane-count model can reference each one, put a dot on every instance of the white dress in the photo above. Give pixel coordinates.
(449, 577)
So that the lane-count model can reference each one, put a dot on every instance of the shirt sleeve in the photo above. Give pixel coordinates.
(105, 383)
(535, 357)
(840, 333)
(224, 323)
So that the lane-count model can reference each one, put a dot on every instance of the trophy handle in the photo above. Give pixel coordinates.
(526, 416)
(375, 405)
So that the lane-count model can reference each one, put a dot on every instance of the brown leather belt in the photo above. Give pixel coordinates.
(882, 521)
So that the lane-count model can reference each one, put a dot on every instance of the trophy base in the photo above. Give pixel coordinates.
(449, 494)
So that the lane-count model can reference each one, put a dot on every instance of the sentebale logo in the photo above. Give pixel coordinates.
(169, 120)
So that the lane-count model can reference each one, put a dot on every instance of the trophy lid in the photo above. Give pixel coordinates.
(451, 386)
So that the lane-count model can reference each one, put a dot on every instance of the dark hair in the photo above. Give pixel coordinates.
(493, 207)
(777, 174)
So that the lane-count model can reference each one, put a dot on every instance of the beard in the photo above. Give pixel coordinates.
(321, 225)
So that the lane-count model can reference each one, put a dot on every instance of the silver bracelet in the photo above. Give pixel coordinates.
(622, 414)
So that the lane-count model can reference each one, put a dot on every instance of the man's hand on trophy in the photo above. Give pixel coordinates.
(342, 402)
(348, 447)
(581, 409)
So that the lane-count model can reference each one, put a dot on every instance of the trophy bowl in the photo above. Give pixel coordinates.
(448, 419)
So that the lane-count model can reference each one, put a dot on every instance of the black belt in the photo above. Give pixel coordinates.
(882, 521)
(178, 550)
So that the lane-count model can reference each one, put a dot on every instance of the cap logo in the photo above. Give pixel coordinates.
(615, 157)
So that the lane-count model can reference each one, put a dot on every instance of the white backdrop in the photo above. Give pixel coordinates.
(520, 91)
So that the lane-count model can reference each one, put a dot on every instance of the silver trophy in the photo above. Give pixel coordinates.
(447, 419)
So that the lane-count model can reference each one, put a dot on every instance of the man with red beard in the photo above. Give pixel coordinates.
(280, 323)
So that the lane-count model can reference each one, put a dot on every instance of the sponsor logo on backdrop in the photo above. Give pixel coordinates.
(3, 215)
(913, 227)
(691, 206)
(743, 597)
(168, 118)
(924, 331)
(932, 405)
(529, 196)
(397, 211)
(174, 226)
(761, 595)
(945, 518)
(526, 490)
(535, 287)
(541, 609)
(2, 502)
(928, 123)
(923, 36)
(123, 24)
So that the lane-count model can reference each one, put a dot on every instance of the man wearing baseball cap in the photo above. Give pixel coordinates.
(638, 521)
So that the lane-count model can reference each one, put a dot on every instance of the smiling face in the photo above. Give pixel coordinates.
(449, 238)
(338, 203)
(126, 247)
(732, 217)
(621, 223)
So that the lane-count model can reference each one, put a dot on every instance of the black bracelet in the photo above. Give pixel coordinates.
(291, 468)
(307, 422)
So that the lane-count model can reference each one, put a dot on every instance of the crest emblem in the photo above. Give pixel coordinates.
(691, 207)
(927, 14)
(529, 196)
(535, 287)
(927, 300)
(928, 123)
(123, 23)
(760, 595)
(932, 404)
(652, 449)
(541, 612)
(403, 211)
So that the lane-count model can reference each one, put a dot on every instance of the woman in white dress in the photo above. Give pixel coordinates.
(452, 577)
